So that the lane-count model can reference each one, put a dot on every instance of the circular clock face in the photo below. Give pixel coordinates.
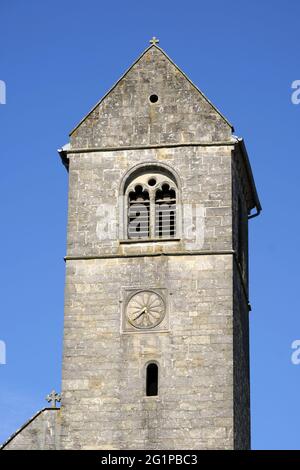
(145, 309)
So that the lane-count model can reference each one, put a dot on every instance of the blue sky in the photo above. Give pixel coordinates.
(57, 59)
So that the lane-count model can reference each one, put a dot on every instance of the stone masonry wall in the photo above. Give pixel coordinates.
(104, 402)
(94, 188)
(240, 317)
(241, 365)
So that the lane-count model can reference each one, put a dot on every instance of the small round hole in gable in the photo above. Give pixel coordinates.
(153, 98)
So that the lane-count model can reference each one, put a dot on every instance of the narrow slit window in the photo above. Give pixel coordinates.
(152, 380)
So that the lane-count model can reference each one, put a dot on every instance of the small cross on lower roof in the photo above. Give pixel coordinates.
(52, 398)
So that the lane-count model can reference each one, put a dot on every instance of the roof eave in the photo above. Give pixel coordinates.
(245, 156)
(63, 153)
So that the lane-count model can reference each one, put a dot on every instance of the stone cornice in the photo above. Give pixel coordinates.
(146, 147)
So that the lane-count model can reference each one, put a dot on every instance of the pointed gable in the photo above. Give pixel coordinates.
(126, 116)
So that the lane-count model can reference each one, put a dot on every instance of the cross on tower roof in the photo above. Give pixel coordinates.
(154, 41)
(53, 397)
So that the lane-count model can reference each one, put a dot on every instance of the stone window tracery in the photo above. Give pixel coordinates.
(151, 206)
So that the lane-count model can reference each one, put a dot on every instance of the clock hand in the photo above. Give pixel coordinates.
(141, 313)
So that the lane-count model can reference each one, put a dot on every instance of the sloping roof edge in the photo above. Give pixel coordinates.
(128, 70)
(25, 426)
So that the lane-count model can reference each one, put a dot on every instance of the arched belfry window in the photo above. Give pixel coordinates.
(151, 205)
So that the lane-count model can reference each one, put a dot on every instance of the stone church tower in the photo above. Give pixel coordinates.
(156, 352)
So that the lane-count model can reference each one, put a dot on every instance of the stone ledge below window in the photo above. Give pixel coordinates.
(148, 240)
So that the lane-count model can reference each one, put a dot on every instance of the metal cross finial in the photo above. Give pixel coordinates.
(53, 397)
(154, 41)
